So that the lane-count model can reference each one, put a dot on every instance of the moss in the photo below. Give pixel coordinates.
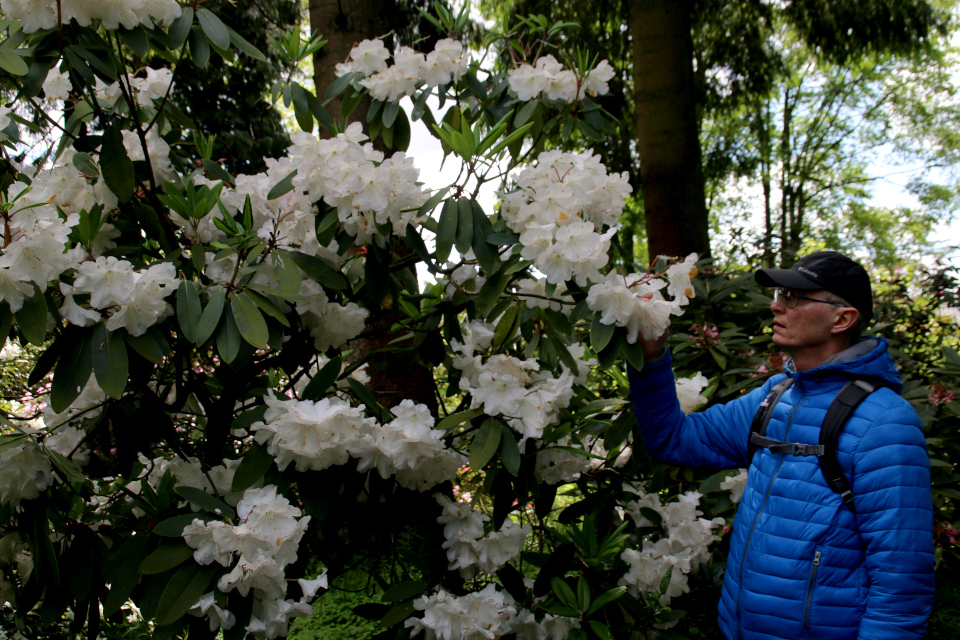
(333, 617)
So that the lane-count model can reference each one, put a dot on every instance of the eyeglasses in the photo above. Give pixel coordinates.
(792, 298)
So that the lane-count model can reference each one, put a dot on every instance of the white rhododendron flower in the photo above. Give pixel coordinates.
(445, 64)
(549, 77)
(482, 614)
(689, 392)
(559, 208)
(559, 466)
(468, 548)
(735, 484)
(44, 14)
(679, 276)
(57, 85)
(685, 546)
(26, 472)
(635, 302)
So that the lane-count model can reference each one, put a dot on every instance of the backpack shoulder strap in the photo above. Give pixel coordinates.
(840, 410)
(762, 418)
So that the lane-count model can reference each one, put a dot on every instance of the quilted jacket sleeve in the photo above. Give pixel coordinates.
(714, 438)
(891, 488)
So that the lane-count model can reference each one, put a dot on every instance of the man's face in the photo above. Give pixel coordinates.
(809, 324)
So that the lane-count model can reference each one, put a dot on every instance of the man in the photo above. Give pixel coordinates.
(802, 564)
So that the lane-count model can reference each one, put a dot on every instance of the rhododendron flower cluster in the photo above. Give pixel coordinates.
(735, 484)
(689, 392)
(366, 189)
(445, 64)
(468, 548)
(559, 465)
(44, 14)
(265, 541)
(27, 470)
(684, 547)
(133, 299)
(548, 76)
(560, 207)
(482, 614)
(318, 435)
(509, 387)
(635, 301)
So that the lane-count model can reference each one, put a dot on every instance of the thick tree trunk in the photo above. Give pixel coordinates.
(342, 23)
(667, 128)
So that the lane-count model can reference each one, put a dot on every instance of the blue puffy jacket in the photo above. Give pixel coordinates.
(801, 564)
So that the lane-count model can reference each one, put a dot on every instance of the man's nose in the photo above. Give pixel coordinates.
(778, 305)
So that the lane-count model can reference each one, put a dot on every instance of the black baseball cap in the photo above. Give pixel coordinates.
(828, 271)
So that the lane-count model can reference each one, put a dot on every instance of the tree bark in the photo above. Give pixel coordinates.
(667, 128)
(342, 23)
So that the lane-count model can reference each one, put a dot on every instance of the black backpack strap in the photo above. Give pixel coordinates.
(840, 410)
(790, 448)
(762, 417)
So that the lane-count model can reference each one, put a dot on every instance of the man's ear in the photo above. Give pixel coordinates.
(846, 317)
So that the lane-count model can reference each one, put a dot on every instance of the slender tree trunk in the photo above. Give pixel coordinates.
(786, 184)
(667, 128)
(342, 23)
(762, 115)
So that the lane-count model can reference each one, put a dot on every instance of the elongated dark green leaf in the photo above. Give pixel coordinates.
(180, 28)
(487, 256)
(401, 132)
(199, 46)
(490, 292)
(323, 380)
(485, 444)
(173, 527)
(109, 354)
(203, 500)
(300, 108)
(182, 592)
(390, 110)
(211, 315)
(32, 318)
(456, 419)
(413, 241)
(432, 202)
(11, 441)
(71, 374)
(66, 466)
(253, 466)
(563, 592)
(245, 46)
(464, 226)
(147, 346)
(11, 62)
(121, 572)
(397, 614)
(507, 326)
(136, 40)
(404, 591)
(6, 322)
(633, 353)
(115, 164)
(269, 308)
(164, 558)
(365, 395)
(447, 230)
(249, 320)
(509, 450)
(320, 270)
(215, 30)
(600, 333)
(608, 356)
(229, 339)
(282, 187)
(189, 309)
(286, 272)
(338, 85)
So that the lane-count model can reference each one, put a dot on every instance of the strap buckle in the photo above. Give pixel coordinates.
(807, 449)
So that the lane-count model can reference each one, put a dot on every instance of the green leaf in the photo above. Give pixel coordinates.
(245, 46)
(397, 614)
(525, 113)
(216, 172)
(563, 592)
(509, 450)
(490, 292)
(503, 144)
(413, 241)
(583, 593)
(464, 226)
(115, 165)
(286, 272)
(229, 339)
(390, 111)
(109, 354)
(282, 187)
(665, 582)
(211, 315)
(122, 574)
(456, 419)
(136, 41)
(400, 132)
(12, 63)
(214, 29)
(446, 230)
(147, 346)
(320, 270)
(600, 630)
(338, 85)
(173, 527)
(506, 327)
(608, 356)
(184, 589)
(164, 558)
(633, 353)
(300, 108)
(32, 318)
(71, 374)
(249, 320)
(432, 202)
(365, 396)
(253, 466)
(180, 28)
(203, 500)
(323, 380)
(13, 440)
(607, 597)
(66, 466)
(600, 334)
(189, 309)
(485, 444)
(404, 591)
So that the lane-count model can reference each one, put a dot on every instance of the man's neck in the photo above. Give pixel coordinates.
(811, 357)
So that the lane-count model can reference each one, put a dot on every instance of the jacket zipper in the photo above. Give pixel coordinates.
(746, 546)
(813, 579)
